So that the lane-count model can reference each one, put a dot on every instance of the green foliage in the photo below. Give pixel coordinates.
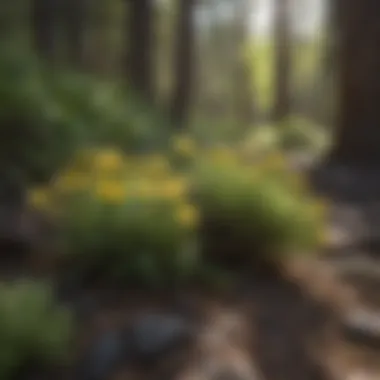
(307, 56)
(256, 212)
(109, 114)
(260, 56)
(32, 328)
(134, 219)
(296, 134)
(46, 115)
(36, 133)
(129, 218)
(263, 139)
(211, 130)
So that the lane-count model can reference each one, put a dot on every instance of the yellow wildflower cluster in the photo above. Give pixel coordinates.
(113, 178)
(187, 215)
(223, 155)
(108, 160)
(110, 191)
(184, 146)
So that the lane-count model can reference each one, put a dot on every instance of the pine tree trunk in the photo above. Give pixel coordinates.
(281, 105)
(184, 64)
(141, 47)
(43, 18)
(357, 140)
(245, 106)
(75, 19)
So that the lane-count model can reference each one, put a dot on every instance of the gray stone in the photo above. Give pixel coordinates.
(146, 339)
(363, 327)
(155, 334)
(365, 320)
(104, 357)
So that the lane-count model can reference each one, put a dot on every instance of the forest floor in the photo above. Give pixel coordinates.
(303, 326)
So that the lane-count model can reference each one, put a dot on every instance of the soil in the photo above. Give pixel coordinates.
(286, 328)
(283, 328)
(285, 333)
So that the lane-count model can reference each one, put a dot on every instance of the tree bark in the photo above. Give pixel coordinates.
(243, 73)
(332, 45)
(141, 47)
(282, 37)
(43, 18)
(357, 139)
(74, 19)
(184, 64)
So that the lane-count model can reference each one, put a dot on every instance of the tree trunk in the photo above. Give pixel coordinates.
(183, 64)
(243, 73)
(357, 140)
(331, 48)
(74, 24)
(43, 18)
(141, 47)
(281, 105)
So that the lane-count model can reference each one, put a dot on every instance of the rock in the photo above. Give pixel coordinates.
(147, 339)
(155, 334)
(229, 374)
(104, 357)
(363, 327)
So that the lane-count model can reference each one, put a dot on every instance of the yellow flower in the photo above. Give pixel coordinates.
(187, 215)
(223, 155)
(184, 145)
(111, 191)
(155, 165)
(71, 182)
(38, 198)
(83, 159)
(108, 160)
(142, 188)
(173, 188)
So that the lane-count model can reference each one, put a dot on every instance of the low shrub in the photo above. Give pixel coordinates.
(135, 218)
(299, 133)
(130, 218)
(183, 150)
(262, 140)
(295, 134)
(111, 114)
(48, 114)
(255, 213)
(36, 134)
(33, 330)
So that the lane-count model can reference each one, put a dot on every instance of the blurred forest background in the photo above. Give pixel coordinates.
(220, 68)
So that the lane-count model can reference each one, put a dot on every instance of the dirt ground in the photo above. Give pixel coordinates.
(286, 329)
